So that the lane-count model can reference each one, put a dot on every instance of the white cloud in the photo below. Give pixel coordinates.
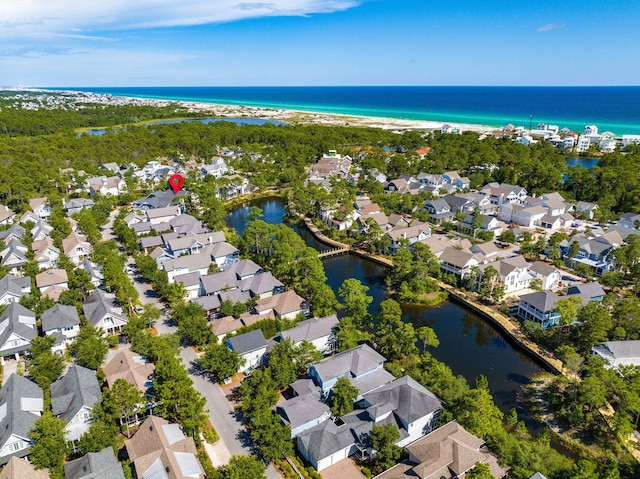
(28, 17)
(550, 27)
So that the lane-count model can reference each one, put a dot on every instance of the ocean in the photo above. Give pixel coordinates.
(615, 109)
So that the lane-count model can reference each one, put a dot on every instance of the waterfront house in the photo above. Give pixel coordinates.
(628, 140)
(416, 231)
(547, 273)
(73, 397)
(618, 353)
(513, 273)
(251, 347)
(17, 329)
(159, 446)
(457, 262)
(448, 452)
(21, 404)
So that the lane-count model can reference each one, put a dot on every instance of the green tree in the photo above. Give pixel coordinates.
(243, 467)
(281, 363)
(427, 336)
(44, 366)
(90, 347)
(192, 323)
(393, 338)
(123, 401)
(220, 361)
(356, 302)
(343, 397)
(49, 445)
(479, 471)
(383, 439)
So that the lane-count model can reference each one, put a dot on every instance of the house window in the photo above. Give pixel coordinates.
(15, 446)
(86, 416)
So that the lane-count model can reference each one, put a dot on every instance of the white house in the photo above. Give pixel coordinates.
(321, 332)
(73, 397)
(63, 323)
(40, 207)
(17, 329)
(251, 347)
(76, 247)
(618, 353)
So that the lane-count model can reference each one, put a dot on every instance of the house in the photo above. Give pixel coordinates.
(41, 230)
(76, 204)
(321, 332)
(17, 329)
(513, 273)
(229, 277)
(521, 215)
(547, 273)
(485, 252)
(499, 194)
(63, 323)
(101, 310)
(193, 243)
(40, 207)
(191, 283)
(45, 253)
(113, 167)
(251, 347)
(217, 168)
(540, 306)
(50, 278)
(448, 452)
(439, 210)
(160, 449)
(303, 411)
(157, 199)
(586, 209)
(457, 262)
(286, 305)
(404, 403)
(72, 399)
(106, 186)
(21, 404)
(7, 216)
(131, 367)
(14, 256)
(618, 353)
(163, 215)
(95, 465)
(76, 247)
(18, 468)
(13, 288)
(14, 232)
(416, 231)
(222, 254)
(94, 270)
(361, 365)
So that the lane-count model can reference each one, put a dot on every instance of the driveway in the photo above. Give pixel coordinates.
(234, 438)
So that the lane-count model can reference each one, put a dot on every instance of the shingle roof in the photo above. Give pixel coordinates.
(78, 388)
(352, 362)
(131, 367)
(166, 211)
(18, 468)
(59, 316)
(19, 320)
(95, 465)
(51, 277)
(311, 329)
(99, 304)
(158, 447)
(247, 342)
(302, 409)
(541, 300)
(14, 285)
(622, 349)
(21, 402)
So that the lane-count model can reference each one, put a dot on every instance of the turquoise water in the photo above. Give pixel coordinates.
(616, 109)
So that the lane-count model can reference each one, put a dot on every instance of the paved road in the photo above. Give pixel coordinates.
(234, 438)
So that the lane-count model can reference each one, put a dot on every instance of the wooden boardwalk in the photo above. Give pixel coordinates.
(333, 252)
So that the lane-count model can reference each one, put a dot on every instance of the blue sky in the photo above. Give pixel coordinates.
(318, 42)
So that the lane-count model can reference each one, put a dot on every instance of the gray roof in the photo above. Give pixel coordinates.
(78, 203)
(21, 402)
(587, 291)
(260, 284)
(207, 302)
(311, 329)
(235, 296)
(166, 211)
(191, 240)
(247, 342)
(60, 316)
(157, 199)
(77, 389)
(188, 279)
(14, 247)
(94, 270)
(456, 257)
(15, 230)
(14, 285)
(230, 276)
(150, 241)
(407, 398)
(95, 465)
(19, 320)
(350, 363)
(302, 409)
(538, 475)
(541, 300)
(100, 304)
(621, 349)
(191, 262)
(543, 269)
(142, 227)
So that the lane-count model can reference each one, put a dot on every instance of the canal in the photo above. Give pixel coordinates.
(468, 345)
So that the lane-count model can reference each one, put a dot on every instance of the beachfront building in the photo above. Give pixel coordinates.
(628, 140)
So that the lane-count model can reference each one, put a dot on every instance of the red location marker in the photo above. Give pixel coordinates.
(175, 182)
